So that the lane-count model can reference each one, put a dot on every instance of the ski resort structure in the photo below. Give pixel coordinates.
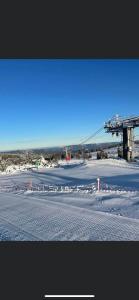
(125, 127)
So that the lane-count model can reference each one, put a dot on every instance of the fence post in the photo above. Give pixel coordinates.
(30, 185)
(98, 184)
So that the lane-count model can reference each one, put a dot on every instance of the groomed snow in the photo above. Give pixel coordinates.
(64, 204)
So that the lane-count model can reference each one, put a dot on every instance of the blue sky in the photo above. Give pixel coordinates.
(46, 102)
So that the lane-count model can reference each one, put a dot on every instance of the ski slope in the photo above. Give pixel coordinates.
(64, 204)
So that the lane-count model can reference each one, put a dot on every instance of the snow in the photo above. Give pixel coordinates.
(15, 169)
(63, 203)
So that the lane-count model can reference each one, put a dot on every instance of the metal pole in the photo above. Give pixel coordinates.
(132, 143)
(125, 143)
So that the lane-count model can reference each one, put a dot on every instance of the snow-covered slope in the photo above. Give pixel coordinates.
(24, 218)
(64, 204)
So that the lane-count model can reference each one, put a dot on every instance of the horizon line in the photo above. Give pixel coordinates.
(62, 146)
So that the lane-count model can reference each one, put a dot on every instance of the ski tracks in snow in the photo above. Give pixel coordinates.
(32, 219)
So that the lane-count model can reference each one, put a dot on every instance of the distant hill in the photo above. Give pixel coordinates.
(74, 148)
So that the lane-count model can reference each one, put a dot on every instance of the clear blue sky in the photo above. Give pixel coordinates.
(47, 102)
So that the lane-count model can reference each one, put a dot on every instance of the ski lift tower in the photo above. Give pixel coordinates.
(124, 126)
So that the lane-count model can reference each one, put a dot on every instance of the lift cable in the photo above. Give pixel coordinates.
(91, 136)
